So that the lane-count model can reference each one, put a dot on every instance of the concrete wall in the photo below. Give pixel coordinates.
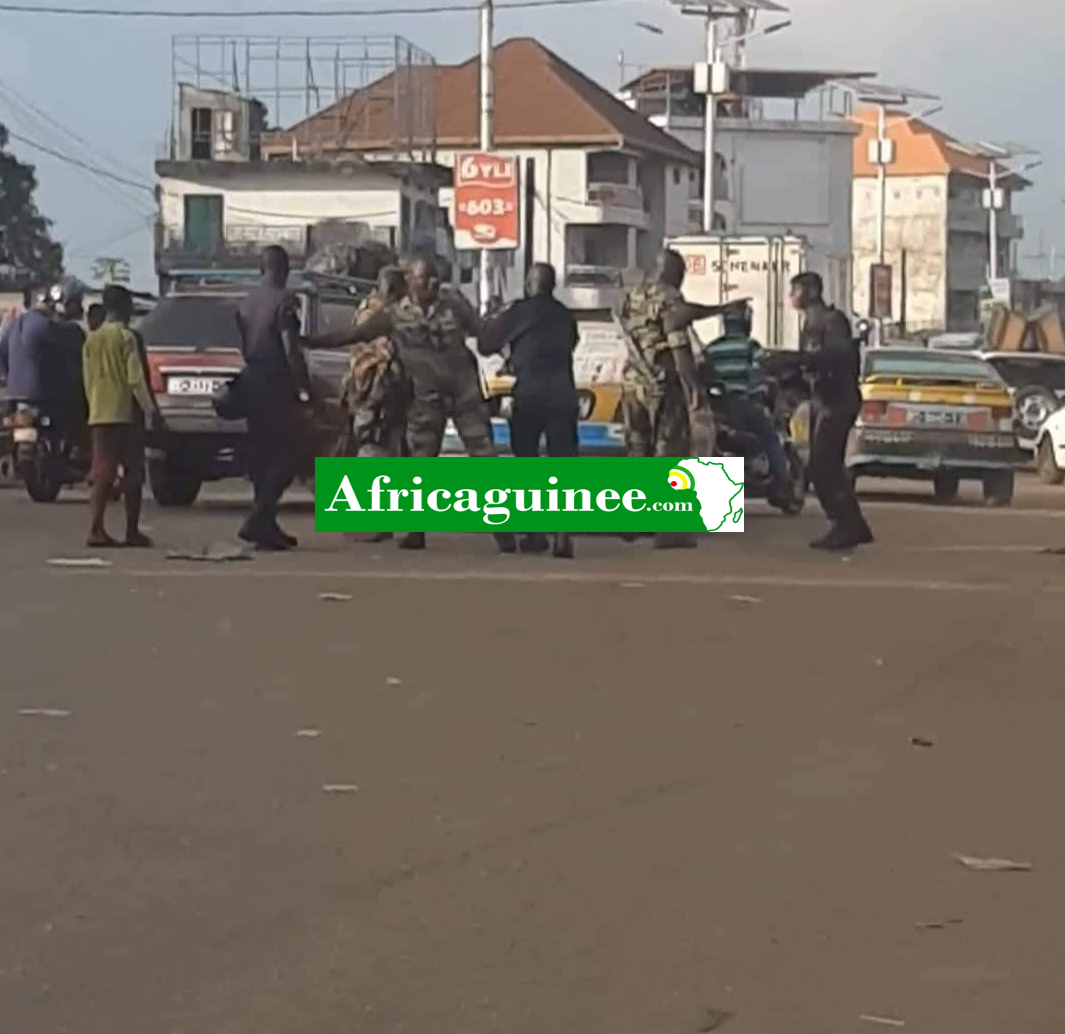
(291, 198)
(917, 222)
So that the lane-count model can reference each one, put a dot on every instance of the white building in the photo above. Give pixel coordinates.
(782, 169)
(602, 186)
(936, 231)
(219, 204)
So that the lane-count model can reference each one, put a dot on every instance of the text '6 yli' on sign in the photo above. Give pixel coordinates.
(486, 202)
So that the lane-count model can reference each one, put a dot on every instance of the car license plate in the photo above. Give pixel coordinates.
(935, 416)
(194, 385)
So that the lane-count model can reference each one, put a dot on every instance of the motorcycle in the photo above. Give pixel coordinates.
(43, 457)
(777, 397)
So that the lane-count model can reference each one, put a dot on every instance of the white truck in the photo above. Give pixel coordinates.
(724, 268)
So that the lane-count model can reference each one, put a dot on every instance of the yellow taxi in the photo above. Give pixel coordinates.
(937, 416)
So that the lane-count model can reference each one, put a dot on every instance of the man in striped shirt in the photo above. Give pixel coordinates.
(737, 360)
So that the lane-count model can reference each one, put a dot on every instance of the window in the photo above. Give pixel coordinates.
(676, 176)
(202, 130)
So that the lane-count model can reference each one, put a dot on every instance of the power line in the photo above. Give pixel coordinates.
(26, 103)
(94, 169)
(23, 112)
(365, 12)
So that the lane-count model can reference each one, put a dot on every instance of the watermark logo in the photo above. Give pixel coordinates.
(587, 494)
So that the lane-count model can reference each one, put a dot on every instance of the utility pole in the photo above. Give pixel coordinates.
(487, 105)
(883, 158)
(710, 124)
(993, 204)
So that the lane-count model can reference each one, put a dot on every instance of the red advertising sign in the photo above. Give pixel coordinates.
(486, 202)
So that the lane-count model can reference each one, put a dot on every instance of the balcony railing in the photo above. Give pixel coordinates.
(235, 246)
(615, 195)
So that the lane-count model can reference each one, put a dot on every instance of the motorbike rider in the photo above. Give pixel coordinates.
(69, 405)
(27, 359)
(737, 364)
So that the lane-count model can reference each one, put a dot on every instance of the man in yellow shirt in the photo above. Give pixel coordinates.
(120, 404)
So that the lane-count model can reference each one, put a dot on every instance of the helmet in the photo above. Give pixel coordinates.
(68, 296)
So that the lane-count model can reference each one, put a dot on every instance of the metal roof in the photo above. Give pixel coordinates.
(884, 93)
(769, 83)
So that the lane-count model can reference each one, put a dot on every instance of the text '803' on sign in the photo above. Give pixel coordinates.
(478, 494)
(487, 209)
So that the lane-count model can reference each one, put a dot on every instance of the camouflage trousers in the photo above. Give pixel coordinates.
(662, 423)
(462, 403)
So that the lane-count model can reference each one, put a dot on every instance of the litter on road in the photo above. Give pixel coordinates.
(746, 599)
(44, 712)
(78, 561)
(339, 788)
(883, 1021)
(215, 552)
(992, 864)
(937, 924)
(391, 680)
(308, 734)
(335, 597)
(921, 741)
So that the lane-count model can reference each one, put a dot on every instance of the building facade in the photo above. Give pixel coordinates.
(781, 168)
(936, 231)
(601, 187)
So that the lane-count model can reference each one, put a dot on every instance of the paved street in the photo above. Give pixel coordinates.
(632, 794)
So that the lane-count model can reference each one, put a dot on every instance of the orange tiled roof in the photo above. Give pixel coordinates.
(540, 99)
(920, 148)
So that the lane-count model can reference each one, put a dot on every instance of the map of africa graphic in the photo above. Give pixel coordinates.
(720, 495)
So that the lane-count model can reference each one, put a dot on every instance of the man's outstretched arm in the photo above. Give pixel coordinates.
(378, 325)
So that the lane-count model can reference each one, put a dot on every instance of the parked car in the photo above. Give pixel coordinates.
(938, 416)
(1050, 449)
(1037, 383)
(193, 350)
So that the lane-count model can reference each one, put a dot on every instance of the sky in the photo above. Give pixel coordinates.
(995, 65)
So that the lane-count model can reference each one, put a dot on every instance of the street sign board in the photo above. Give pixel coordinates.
(880, 291)
(486, 202)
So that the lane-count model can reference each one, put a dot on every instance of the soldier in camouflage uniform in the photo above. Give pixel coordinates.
(664, 406)
(429, 331)
(377, 388)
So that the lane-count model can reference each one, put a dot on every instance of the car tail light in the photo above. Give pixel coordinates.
(1002, 417)
(156, 381)
(873, 412)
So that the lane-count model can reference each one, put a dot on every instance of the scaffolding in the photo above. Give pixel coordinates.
(296, 77)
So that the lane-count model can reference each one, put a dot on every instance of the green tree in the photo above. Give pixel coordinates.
(26, 246)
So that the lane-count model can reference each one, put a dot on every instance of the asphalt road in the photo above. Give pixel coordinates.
(638, 793)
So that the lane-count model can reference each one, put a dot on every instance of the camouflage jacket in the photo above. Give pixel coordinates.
(641, 315)
(376, 382)
(431, 342)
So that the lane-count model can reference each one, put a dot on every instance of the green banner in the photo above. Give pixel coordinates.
(586, 494)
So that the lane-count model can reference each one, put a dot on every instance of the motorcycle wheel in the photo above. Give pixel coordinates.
(173, 489)
(40, 474)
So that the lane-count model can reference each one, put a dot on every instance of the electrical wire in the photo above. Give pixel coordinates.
(87, 166)
(26, 103)
(366, 12)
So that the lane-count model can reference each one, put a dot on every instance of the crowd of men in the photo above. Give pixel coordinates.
(411, 372)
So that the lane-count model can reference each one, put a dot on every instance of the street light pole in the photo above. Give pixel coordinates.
(992, 221)
(709, 126)
(487, 107)
(881, 183)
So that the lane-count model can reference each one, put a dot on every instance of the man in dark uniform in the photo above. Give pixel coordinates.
(275, 392)
(830, 357)
(542, 335)
(429, 332)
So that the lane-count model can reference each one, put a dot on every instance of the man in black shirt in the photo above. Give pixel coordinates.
(275, 392)
(831, 359)
(542, 335)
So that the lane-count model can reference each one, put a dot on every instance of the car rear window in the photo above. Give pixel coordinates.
(1021, 372)
(192, 321)
(931, 365)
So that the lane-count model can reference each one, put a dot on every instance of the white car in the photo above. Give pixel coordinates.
(1050, 449)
